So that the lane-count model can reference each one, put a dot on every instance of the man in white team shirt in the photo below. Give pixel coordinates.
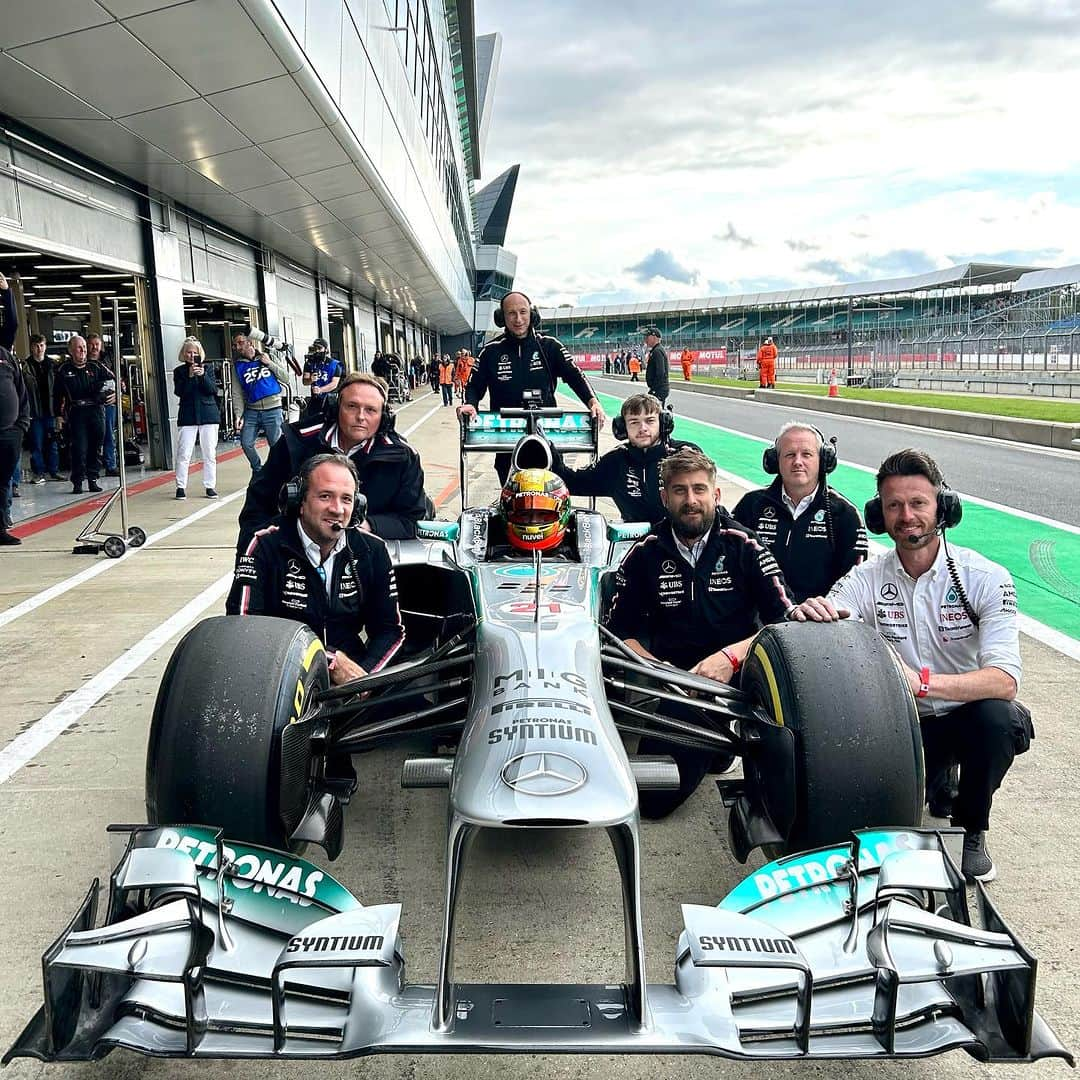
(950, 615)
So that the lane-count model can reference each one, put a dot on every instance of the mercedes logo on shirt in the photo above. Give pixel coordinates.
(889, 592)
(544, 773)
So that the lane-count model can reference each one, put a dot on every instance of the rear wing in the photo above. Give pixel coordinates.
(566, 430)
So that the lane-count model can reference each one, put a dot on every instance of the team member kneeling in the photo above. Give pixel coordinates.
(313, 564)
(950, 615)
(692, 593)
(630, 474)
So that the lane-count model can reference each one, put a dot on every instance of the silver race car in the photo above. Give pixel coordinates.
(220, 940)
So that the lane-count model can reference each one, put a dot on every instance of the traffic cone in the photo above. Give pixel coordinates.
(834, 389)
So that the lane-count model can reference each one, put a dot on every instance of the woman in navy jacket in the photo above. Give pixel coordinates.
(199, 416)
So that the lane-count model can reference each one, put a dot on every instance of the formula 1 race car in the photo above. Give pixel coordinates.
(220, 940)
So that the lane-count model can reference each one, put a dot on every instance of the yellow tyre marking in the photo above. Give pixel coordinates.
(770, 678)
(313, 650)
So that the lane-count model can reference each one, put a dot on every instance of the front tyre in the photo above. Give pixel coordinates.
(857, 743)
(226, 747)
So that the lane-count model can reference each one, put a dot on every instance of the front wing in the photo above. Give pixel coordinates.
(211, 950)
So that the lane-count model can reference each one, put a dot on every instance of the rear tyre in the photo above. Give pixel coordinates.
(858, 746)
(226, 748)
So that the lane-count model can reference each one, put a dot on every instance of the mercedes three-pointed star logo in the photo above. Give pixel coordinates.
(544, 773)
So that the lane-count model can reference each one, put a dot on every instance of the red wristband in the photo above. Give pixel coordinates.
(733, 660)
(924, 682)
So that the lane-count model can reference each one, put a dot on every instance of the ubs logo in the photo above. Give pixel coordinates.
(889, 592)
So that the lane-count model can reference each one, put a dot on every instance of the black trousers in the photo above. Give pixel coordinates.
(11, 440)
(982, 737)
(86, 431)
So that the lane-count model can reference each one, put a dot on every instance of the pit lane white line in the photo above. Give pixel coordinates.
(32, 603)
(23, 748)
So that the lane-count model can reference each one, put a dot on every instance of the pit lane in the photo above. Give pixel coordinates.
(534, 907)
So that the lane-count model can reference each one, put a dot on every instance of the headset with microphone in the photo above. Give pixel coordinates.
(294, 491)
(950, 510)
(499, 315)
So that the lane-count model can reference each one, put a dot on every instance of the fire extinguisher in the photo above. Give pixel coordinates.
(140, 420)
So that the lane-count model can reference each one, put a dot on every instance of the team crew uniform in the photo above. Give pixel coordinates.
(77, 394)
(688, 612)
(682, 613)
(278, 574)
(630, 475)
(925, 621)
(391, 479)
(799, 536)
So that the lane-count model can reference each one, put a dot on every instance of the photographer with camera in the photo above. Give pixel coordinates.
(80, 393)
(313, 563)
(199, 417)
(359, 426)
(256, 395)
(630, 474)
(322, 372)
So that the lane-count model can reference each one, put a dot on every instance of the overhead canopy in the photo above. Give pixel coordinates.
(952, 277)
(1048, 279)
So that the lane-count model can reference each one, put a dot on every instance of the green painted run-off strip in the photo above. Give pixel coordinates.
(1006, 538)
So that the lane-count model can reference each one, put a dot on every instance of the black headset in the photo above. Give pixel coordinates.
(667, 425)
(770, 459)
(949, 510)
(294, 491)
(500, 316)
(332, 401)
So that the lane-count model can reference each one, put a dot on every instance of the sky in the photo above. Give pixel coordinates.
(692, 149)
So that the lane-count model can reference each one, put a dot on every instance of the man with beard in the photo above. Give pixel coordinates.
(630, 474)
(314, 565)
(693, 593)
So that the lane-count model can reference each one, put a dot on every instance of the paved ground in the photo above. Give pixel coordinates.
(546, 908)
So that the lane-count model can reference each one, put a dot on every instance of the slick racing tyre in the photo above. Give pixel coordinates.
(857, 748)
(225, 746)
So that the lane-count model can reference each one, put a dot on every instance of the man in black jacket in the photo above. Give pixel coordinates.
(630, 474)
(39, 372)
(310, 565)
(657, 375)
(519, 359)
(391, 478)
(815, 534)
(80, 396)
(14, 424)
(693, 593)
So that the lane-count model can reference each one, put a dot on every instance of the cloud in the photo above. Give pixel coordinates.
(802, 246)
(830, 268)
(899, 263)
(661, 264)
(733, 237)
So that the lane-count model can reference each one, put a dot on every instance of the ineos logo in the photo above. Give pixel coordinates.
(889, 592)
(544, 773)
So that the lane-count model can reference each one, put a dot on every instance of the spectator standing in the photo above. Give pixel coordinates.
(14, 423)
(95, 354)
(39, 374)
(322, 372)
(433, 374)
(79, 398)
(199, 418)
(257, 395)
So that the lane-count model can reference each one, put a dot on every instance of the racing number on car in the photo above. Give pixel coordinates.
(528, 607)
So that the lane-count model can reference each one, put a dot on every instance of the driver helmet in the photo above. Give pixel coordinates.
(535, 504)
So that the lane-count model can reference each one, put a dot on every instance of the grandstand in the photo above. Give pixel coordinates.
(969, 318)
